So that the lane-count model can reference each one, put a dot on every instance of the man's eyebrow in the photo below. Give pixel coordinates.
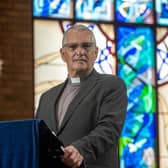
(78, 43)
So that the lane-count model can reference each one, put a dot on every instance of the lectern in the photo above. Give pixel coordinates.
(29, 144)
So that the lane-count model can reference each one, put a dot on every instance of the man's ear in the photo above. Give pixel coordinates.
(62, 54)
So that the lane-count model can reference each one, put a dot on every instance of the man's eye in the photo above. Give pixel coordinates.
(86, 45)
(72, 47)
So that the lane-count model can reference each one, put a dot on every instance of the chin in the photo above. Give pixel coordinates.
(80, 69)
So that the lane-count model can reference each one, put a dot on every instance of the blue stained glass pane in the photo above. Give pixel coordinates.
(134, 11)
(52, 8)
(162, 12)
(94, 10)
(135, 54)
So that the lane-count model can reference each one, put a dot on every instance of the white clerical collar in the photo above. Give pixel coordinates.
(75, 80)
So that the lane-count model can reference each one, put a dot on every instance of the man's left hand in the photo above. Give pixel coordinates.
(72, 157)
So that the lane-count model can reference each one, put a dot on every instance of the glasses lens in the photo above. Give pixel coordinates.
(73, 46)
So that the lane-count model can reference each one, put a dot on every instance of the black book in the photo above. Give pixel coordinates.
(51, 148)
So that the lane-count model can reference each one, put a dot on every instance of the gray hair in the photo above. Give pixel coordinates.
(78, 27)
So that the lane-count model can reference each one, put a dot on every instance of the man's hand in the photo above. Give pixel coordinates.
(72, 157)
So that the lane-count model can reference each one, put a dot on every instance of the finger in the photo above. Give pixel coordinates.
(78, 161)
(72, 157)
(67, 153)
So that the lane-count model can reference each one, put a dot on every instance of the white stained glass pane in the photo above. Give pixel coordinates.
(50, 70)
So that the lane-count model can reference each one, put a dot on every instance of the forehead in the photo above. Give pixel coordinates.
(78, 36)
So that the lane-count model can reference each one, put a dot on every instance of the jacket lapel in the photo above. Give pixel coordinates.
(86, 86)
(56, 95)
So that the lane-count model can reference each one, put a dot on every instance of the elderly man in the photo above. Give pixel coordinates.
(88, 110)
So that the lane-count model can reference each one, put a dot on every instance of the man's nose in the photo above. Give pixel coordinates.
(79, 49)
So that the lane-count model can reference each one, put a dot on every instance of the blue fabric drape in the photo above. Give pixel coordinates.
(19, 144)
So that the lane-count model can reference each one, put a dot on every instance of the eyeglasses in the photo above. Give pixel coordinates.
(73, 46)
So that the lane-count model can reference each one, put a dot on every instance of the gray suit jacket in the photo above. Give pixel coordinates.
(94, 119)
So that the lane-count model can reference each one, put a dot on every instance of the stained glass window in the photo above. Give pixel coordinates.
(136, 66)
(134, 46)
(137, 11)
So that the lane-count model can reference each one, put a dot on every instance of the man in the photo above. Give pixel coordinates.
(88, 110)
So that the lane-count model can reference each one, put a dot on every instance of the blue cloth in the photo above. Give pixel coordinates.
(19, 144)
